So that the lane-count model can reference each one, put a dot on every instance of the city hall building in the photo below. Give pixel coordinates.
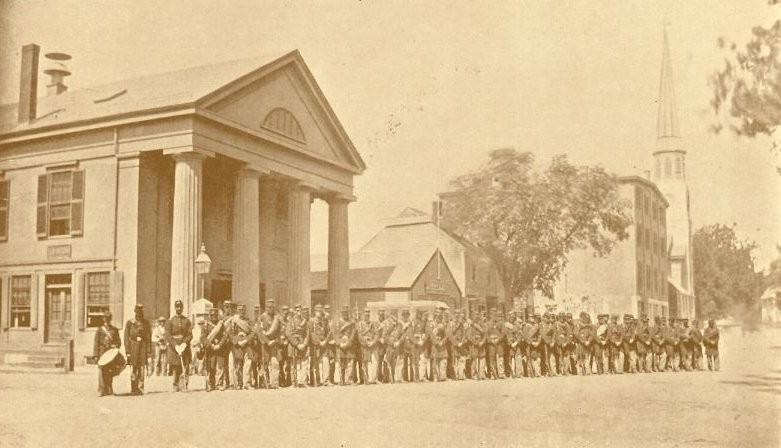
(108, 193)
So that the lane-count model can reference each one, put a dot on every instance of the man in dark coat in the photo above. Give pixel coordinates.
(138, 336)
(710, 339)
(179, 333)
(216, 351)
(106, 338)
(345, 337)
(696, 345)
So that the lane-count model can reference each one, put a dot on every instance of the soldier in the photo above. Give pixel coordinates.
(284, 358)
(381, 367)
(563, 339)
(458, 345)
(368, 337)
(138, 336)
(512, 337)
(534, 346)
(406, 348)
(494, 330)
(272, 328)
(106, 338)
(685, 344)
(417, 347)
(179, 334)
(601, 346)
(438, 339)
(476, 334)
(643, 343)
(629, 344)
(159, 363)
(215, 351)
(356, 379)
(299, 345)
(659, 343)
(330, 346)
(256, 344)
(696, 345)
(228, 311)
(394, 337)
(345, 335)
(672, 346)
(548, 331)
(615, 334)
(318, 340)
(710, 338)
(240, 331)
(585, 343)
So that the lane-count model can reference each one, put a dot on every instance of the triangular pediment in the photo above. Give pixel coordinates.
(282, 100)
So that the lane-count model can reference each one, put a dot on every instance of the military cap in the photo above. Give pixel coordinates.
(366, 311)
(139, 307)
(569, 315)
(657, 319)
(298, 306)
(178, 302)
(327, 307)
(241, 305)
(684, 320)
(256, 307)
(161, 319)
(227, 303)
(107, 314)
(583, 313)
(269, 302)
(285, 308)
(628, 316)
(305, 309)
(211, 311)
(318, 307)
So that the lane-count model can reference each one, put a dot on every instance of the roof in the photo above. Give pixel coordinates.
(397, 254)
(771, 293)
(175, 88)
(646, 182)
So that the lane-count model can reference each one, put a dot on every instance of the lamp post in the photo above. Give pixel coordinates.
(202, 265)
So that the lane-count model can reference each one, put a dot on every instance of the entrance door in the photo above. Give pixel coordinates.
(59, 309)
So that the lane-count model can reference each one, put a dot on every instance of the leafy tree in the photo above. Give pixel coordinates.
(725, 279)
(528, 221)
(747, 89)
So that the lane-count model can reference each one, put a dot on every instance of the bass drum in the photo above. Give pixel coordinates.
(112, 361)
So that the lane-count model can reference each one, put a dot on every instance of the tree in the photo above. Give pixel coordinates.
(725, 280)
(527, 222)
(747, 89)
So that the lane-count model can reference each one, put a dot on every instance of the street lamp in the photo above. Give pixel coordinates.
(202, 265)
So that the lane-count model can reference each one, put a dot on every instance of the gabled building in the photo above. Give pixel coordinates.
(413, 259)
(108, 193)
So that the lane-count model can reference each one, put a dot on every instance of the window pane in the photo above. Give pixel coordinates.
(97, 297)
(20, 300)
(60, 188)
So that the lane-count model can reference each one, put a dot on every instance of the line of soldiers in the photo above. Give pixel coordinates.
(292, 348)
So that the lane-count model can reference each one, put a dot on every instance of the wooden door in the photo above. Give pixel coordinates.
(59, 314)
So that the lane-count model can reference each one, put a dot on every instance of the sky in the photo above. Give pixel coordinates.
(426, 88)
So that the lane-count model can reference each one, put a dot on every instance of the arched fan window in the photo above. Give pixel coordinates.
(283, 122)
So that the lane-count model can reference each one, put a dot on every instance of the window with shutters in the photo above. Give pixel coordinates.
(5, 198)
(21, 298)
(97, 297)
(60, 204)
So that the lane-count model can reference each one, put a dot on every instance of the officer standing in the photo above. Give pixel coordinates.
(710, 339)
(644, 349)
(318, 340)
(534, 346)
(438, 338)
(629, 344)
(138, 337)
(271, 325)
(563, 338)
(696, 345)
(368, 337)
(685, 344)
(240, 330)
(179, 334)
(345, 336)
(615, 335)
(585, 344)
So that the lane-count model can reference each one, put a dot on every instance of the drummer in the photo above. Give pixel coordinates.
(106, 338)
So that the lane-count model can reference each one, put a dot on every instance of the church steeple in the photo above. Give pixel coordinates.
(667, 121)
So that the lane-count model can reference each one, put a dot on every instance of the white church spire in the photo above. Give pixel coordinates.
(667, 121)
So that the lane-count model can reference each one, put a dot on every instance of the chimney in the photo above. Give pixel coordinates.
(56, 69)
(28, 83)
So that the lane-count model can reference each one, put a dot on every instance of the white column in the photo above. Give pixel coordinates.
(186, 232)
(338, 254)
(299, 200)
(246, 238)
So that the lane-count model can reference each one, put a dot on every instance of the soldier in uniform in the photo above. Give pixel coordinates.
(284, 358)
(406, 347)
(330, 346)
(476, 335)
(643, 349)
(710, 338)
(685, 344)
(601, 345)
(615, 332)
(179, 334)
(573, 359)
(563, 339)
(256, 344)
(299, 347)
(227, 314)
(106, 338)
(533, 346)
(318, 333)
(345, 336)
(393, 336)
(585, 344)
(629, 344)
(240, 331)
(215, 351)
(513, 336)
(368, 337)
(138, 336)
(418, 347)
(548, 330)
(438, 339)
(381, 367)
(672, 346)
(493, 346)
(272, 328)
(458, 345)
(696, 345)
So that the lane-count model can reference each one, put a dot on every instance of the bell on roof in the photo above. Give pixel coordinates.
(57, 70)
